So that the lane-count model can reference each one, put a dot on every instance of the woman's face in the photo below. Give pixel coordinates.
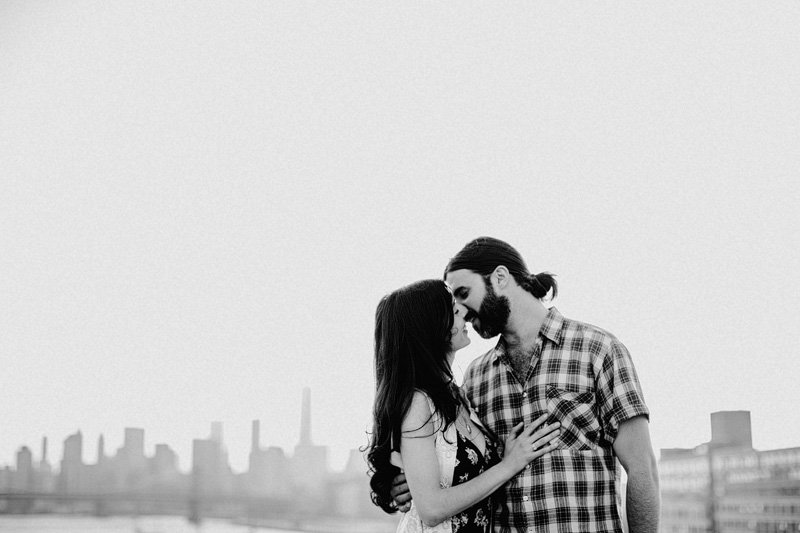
(458, 333)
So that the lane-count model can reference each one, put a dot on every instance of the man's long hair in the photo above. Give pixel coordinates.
(484, 254)
(412, 340)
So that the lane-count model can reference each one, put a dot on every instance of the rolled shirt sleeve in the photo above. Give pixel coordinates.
(619, 394)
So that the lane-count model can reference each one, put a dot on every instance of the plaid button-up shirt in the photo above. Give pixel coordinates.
(584, 378)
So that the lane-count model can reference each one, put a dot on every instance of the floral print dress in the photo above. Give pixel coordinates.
(470, 462)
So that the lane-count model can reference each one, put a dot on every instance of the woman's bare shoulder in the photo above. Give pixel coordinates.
(418, 421)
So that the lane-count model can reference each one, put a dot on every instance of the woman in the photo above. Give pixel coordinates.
(451, 463)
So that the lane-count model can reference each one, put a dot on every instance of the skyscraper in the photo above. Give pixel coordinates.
(132, 463)
(72, 467)
(164, 469)
(134, 442)
(211, 472)
(205, 467)
(23, 477)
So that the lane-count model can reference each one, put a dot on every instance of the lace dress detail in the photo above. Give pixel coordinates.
(459, 461)
(469, 464)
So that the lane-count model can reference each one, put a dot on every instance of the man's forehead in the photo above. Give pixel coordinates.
(462, 278)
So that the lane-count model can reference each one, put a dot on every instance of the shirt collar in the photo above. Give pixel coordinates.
(552, 330)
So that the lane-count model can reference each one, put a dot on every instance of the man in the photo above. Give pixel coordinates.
(580, 375)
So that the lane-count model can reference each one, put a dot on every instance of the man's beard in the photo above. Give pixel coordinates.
(493, 315)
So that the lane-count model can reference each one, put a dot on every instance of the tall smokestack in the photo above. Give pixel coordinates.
(101, 449)
(255, 440)
(305, 418)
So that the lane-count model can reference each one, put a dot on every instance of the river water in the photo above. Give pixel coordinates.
(145, 524)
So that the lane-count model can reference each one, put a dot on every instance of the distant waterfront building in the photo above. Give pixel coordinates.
(211, 472)
(268, 473)
(164, 472)
(731, 429)
(758, 491)
(351, 492)
(205, 467)
(45, 479)
(100, 474)
(6, 475)
(257, 472)
(277, 467)
(725, 486)
(132, 450)
(685, 483)
(23, 480)
(71, 475)
(309, 464)
(165, 461)
(129, 469)
(309, 467)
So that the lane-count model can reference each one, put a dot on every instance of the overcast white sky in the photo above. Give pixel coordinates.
(201, 203)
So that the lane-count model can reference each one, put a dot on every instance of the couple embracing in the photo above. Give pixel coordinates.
(532, 439)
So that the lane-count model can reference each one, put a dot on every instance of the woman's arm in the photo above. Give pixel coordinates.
(418, 448)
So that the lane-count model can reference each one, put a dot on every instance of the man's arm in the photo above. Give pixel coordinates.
(633, 449)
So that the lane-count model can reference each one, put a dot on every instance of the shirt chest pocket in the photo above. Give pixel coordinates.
(574, 407)
(577, 382)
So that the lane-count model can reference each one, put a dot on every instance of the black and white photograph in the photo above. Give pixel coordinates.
(398, 267)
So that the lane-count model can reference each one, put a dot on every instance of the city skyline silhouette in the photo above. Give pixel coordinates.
(131, 481)
(215, 433)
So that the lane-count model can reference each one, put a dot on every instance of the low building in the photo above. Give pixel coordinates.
(726, 486)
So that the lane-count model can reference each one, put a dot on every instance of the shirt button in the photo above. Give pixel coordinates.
(524, 498)
(525, 394)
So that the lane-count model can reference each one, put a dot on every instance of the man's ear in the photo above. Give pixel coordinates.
(500, 277)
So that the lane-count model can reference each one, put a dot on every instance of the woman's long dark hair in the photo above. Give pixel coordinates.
(412, 340)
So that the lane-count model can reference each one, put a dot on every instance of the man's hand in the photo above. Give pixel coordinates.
(400, 494)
